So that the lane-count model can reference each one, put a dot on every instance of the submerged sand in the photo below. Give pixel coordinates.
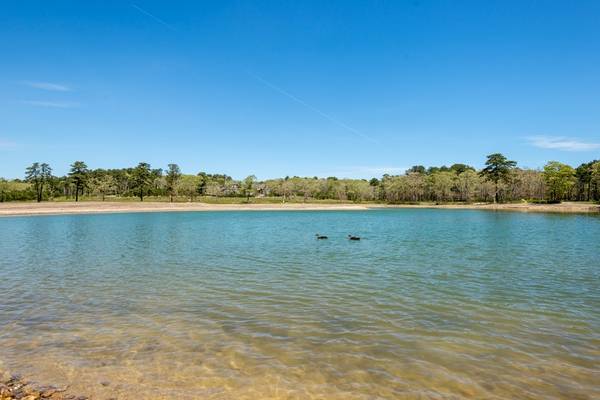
(99, 207)
(14, 387)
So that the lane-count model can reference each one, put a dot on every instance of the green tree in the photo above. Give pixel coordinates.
(529, 184)
(441, 184)
(460, 168)
(415, 185)
(360, 190)
(559, 179)
(416, 168)
(498, 169)
(595, 179)
(3, 189)
(104, 184)
(54, 186)
(33, 175)
(46, 172)
(395, 188)
(287, 188)
(374, 182)
(248, 186)
(466, 183)
(172, 178)
(204, 181)
(584, 180)
(38, 175)
(79, 174)
(142, 178)
(188, 185)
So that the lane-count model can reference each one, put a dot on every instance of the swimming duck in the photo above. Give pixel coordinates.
(321, 236)
(352, 237)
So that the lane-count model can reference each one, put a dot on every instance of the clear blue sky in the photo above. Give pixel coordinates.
(351, 88)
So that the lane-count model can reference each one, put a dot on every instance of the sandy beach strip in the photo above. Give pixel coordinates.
(98, 207)
(565, 207)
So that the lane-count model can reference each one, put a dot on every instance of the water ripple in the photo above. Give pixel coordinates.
(432, 304)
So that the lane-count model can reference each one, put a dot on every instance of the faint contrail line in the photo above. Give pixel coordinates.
(314, 109)
(140, 9)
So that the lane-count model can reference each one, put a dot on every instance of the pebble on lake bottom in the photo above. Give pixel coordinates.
(13, 387)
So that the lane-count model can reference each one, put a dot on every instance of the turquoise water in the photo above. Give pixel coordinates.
(249, 305)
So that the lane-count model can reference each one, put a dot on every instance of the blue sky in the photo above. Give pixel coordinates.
(348, 88)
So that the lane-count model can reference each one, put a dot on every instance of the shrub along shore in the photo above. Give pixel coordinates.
(500, 181)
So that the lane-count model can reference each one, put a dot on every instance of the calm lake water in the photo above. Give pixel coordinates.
(249, 305)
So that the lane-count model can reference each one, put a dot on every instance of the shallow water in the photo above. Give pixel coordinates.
(249, 305)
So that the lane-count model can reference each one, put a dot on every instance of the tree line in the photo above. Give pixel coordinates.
(501, 180)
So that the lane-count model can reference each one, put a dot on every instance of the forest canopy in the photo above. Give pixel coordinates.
(501, 180)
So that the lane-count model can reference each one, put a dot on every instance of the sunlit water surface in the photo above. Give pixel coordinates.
(249, 305)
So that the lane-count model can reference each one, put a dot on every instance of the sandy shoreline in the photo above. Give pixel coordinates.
(565, 207)
(98, 207)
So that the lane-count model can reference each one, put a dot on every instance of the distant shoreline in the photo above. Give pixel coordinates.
(99, 207)
(107, 207)
(565, 207)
